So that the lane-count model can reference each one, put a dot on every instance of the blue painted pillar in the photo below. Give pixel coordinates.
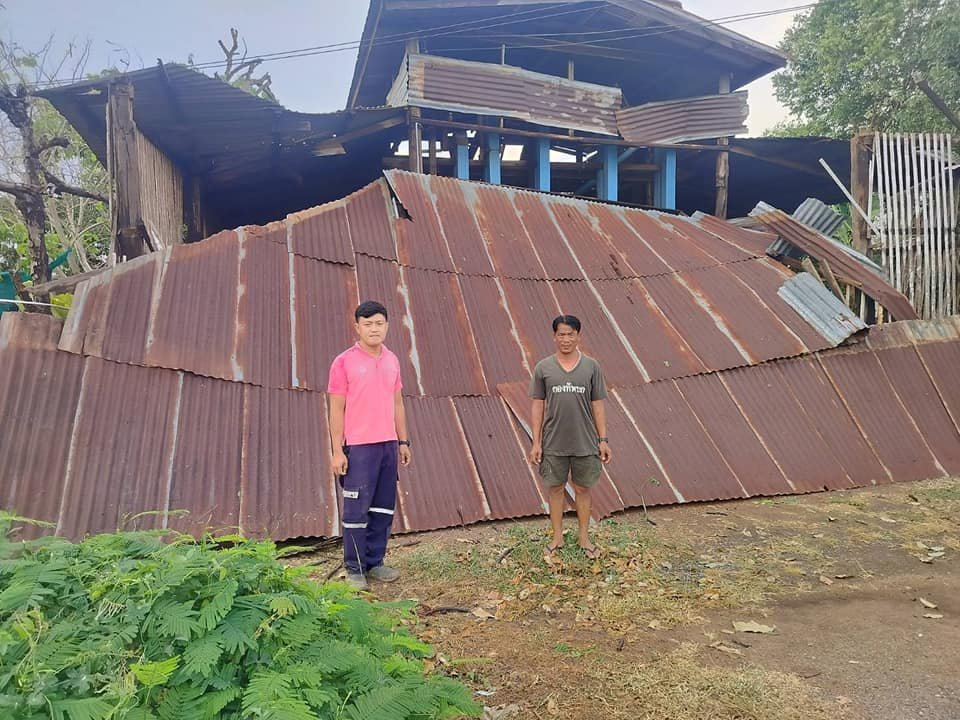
(608, 175)
(665, 180)
(463, 156)
(541, 168)
(491, 165)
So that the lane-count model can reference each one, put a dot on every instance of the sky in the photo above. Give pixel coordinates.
(134, 34)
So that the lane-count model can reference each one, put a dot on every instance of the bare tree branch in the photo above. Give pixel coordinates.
(17, 189)
(50, 143)
(61, 187)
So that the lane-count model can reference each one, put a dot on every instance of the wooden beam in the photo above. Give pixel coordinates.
(723, 163)
(831, 280)
(63, 285)
(130, 240)
(860, 149)
(414, 145)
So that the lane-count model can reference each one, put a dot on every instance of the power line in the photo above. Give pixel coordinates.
(458, 28)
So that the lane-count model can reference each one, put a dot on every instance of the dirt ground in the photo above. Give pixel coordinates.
(853, 599)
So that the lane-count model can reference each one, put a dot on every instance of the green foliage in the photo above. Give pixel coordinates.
(851, 63)
(138, 626)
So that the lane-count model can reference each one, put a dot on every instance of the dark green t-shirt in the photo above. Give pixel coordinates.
(568, 424)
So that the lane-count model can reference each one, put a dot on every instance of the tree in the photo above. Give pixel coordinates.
(44, 161)
(239, 71)
(852, 64)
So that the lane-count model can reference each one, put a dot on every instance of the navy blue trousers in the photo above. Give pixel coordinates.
(369, 500)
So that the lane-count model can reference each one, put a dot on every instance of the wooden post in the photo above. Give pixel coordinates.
(193, 209)
(124, 170)
(861, 146)
(723, 163)
(414, 141)
(432, 153)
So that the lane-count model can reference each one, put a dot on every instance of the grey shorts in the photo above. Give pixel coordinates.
(583, 470)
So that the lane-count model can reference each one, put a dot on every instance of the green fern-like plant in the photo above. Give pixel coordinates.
(152, 626)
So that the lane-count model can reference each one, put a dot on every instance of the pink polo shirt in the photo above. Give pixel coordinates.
(369, 385)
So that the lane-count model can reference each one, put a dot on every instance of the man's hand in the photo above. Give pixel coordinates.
(536, 455)
(605, 453)
(339, 463)
(403, 452)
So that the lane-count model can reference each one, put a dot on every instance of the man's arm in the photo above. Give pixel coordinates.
(400, 417)
(339, 460)
(600, 420)
(536, 427)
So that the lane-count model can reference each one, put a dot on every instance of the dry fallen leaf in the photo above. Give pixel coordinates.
(843, 576)
(725, 648)
(753, 627)
(887, 519)
(482, 613)
(552, 707)
(927, 604)
(654, 625)
(825, 580)
(933, 616)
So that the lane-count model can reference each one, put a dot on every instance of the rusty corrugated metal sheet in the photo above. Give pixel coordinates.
(449, 362)
(441, 487)
(286, 483)
(882, 419)
(637, 253)
(443, 83)
(420, 239)
(322, 233)
(509, 483)
(733, 436)
(751, 241)
(674, 121)
(714, 246)
(371, 215)
(206, 468)
(454, 202)
(506, 236)
(909, 378)
(843, 265)
(120, 450)
(498, 343)
(594, 256)
(324, 298)
(941, 361)
(558, 263)
(208, 274)
(693, 466)
(533, 307)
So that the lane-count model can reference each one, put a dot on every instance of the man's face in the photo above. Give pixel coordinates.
(566, 338)
(372, 330)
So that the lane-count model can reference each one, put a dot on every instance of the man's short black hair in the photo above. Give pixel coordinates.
(369, 308)
(569, 320)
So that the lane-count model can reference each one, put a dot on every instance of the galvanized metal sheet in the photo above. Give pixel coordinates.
(286, 483)
(733, 435)
(370, 214)
(120, 449)
(693, 465)
(420, 239)
(443, 83)
(508, 240)
(380, 280)
(193, 323)
(500, 351)
(704, 330)
(636, 252)
(674, 121)
(205, 471)
(455, 212)
(859, 378)
(658, 345)
(322, 233)
(820, 308)
(818, 398)
(788, 433)
(909, 378)
(441, 487)
(263, 347)
(447, 352)
(509, 483)
(324, 299)
(38, 398)
(818, 215)
(600, 338)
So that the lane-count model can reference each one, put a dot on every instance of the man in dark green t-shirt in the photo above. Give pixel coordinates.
(569, 428)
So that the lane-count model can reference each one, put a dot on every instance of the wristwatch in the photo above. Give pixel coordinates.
(403, 442)
(603, 439)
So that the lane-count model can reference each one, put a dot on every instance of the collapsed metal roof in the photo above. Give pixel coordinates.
(193, 378)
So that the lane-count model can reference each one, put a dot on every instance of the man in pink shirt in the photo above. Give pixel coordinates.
(368, 437)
